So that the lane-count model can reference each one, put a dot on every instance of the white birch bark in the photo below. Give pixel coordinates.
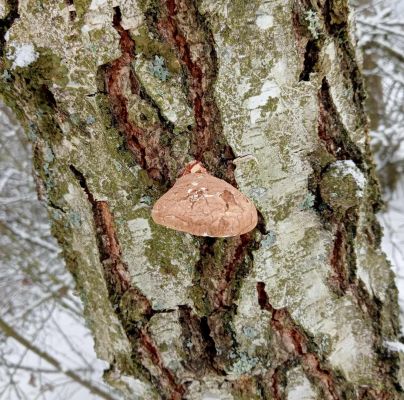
(116, 97)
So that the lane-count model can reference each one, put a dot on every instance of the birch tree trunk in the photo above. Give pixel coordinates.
(117, 96)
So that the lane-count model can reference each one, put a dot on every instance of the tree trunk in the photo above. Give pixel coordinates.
(117, 96)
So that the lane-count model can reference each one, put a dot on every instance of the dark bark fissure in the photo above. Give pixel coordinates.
(340, 276)
(72, 13)
(144, 143)
(198, 345)
(298, 346)
(7, 22)
(278, 378)
(311, 57)
(124, 296)
(308, 46)
(332, 132)
(218, 279)
(113, 77)
(275, 389)
(336, 142)
(173, 21)
(47, 97)
(224, 296)
(335, 14)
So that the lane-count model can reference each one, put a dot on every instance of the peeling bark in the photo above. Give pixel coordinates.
(117, 97)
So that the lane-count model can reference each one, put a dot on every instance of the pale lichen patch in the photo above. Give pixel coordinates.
(3, 8)
(140, 227)
(167, 93)
(166, 331)
(243, 365)
(314, 23)
(160, 261)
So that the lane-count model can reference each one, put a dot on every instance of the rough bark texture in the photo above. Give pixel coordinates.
(116, 97)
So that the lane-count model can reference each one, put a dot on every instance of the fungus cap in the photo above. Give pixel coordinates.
(203, 205)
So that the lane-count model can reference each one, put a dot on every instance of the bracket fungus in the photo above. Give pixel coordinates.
(203, 205)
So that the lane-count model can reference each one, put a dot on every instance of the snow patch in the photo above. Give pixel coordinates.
(24, 55)
(348, 167)
(394, 346)
(264, 21)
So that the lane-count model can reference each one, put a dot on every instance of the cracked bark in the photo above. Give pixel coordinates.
(296, 344)
(301, 305)
(119, 285)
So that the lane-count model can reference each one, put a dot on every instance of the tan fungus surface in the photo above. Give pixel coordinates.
(203, 205)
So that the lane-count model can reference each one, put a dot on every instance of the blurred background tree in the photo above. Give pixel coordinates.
(380, 32)
(46, 350)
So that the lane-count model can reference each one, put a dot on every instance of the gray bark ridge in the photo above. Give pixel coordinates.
(117, 96)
